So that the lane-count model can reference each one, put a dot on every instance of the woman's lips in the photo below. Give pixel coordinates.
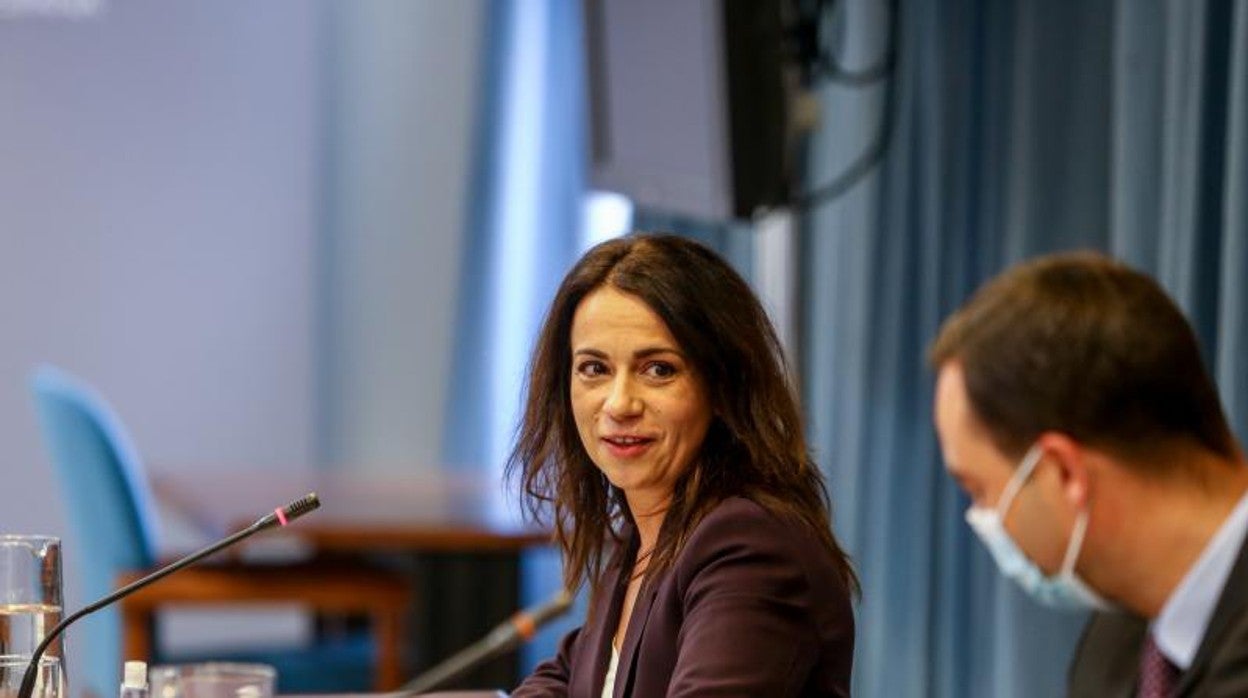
(627, 446)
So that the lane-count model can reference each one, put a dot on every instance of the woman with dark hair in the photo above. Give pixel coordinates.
(662, 433)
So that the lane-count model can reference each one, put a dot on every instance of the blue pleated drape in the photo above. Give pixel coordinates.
(523, 216)
(524, 221)
(1018, 128)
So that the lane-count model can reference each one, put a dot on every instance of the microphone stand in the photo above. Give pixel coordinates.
(504, 638)
(280, 516)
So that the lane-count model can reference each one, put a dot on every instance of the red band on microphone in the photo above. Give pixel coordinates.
(525, 625)
(281, 516)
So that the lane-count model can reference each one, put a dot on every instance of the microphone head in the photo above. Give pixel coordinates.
(299, 507)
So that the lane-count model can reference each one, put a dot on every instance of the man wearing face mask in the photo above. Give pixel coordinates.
(1073, 407)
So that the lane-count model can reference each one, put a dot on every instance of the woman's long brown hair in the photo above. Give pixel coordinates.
(755, 447)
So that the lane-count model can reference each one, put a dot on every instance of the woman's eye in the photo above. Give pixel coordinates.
(659, 369)
(591, 369)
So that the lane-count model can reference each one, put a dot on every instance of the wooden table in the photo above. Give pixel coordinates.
(359, 512)
(457, 535)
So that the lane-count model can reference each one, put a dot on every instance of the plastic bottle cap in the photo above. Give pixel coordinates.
(135, 675)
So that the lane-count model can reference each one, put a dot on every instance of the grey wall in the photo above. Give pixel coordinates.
(157, 207)
(241, 221)
(404, 81)
(158, 199)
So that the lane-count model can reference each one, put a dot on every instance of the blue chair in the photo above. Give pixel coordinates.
(112, 513)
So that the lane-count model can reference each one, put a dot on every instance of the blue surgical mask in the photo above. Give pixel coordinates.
(1062, 590)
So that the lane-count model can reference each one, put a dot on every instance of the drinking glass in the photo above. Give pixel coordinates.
(30, 593)
(48, 680)
(212, 680)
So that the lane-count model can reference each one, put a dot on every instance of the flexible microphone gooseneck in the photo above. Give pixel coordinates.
(505, 637)
(279, 517)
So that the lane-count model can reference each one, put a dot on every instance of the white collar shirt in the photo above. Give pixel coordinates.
(1180, 627)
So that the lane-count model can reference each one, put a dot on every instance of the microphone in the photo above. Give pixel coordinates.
(279, 516)
(502, 639)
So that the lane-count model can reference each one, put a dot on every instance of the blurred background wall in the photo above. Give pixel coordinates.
(254, 213)
(242, 222)
(161, 202)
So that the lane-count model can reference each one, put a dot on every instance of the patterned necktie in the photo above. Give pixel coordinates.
(1158, 675)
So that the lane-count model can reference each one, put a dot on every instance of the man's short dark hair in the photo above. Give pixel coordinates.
(1084, 345)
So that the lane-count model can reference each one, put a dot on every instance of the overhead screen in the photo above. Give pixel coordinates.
(689, 104)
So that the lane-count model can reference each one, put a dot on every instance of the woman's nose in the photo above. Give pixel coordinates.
(622, 402)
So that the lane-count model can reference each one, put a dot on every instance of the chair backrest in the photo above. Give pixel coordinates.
(110, 509)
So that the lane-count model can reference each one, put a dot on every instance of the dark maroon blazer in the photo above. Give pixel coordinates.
(752, 606)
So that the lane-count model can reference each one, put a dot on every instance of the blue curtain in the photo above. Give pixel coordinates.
(1017, 128)
(523, 216)
(524, 226)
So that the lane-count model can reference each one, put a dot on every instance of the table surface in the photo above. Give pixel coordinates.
(424, 512)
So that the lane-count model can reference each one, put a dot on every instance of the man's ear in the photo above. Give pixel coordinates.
(1071, 459)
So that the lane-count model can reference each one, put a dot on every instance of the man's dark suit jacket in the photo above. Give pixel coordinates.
(1106, 664)
(752, 606)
